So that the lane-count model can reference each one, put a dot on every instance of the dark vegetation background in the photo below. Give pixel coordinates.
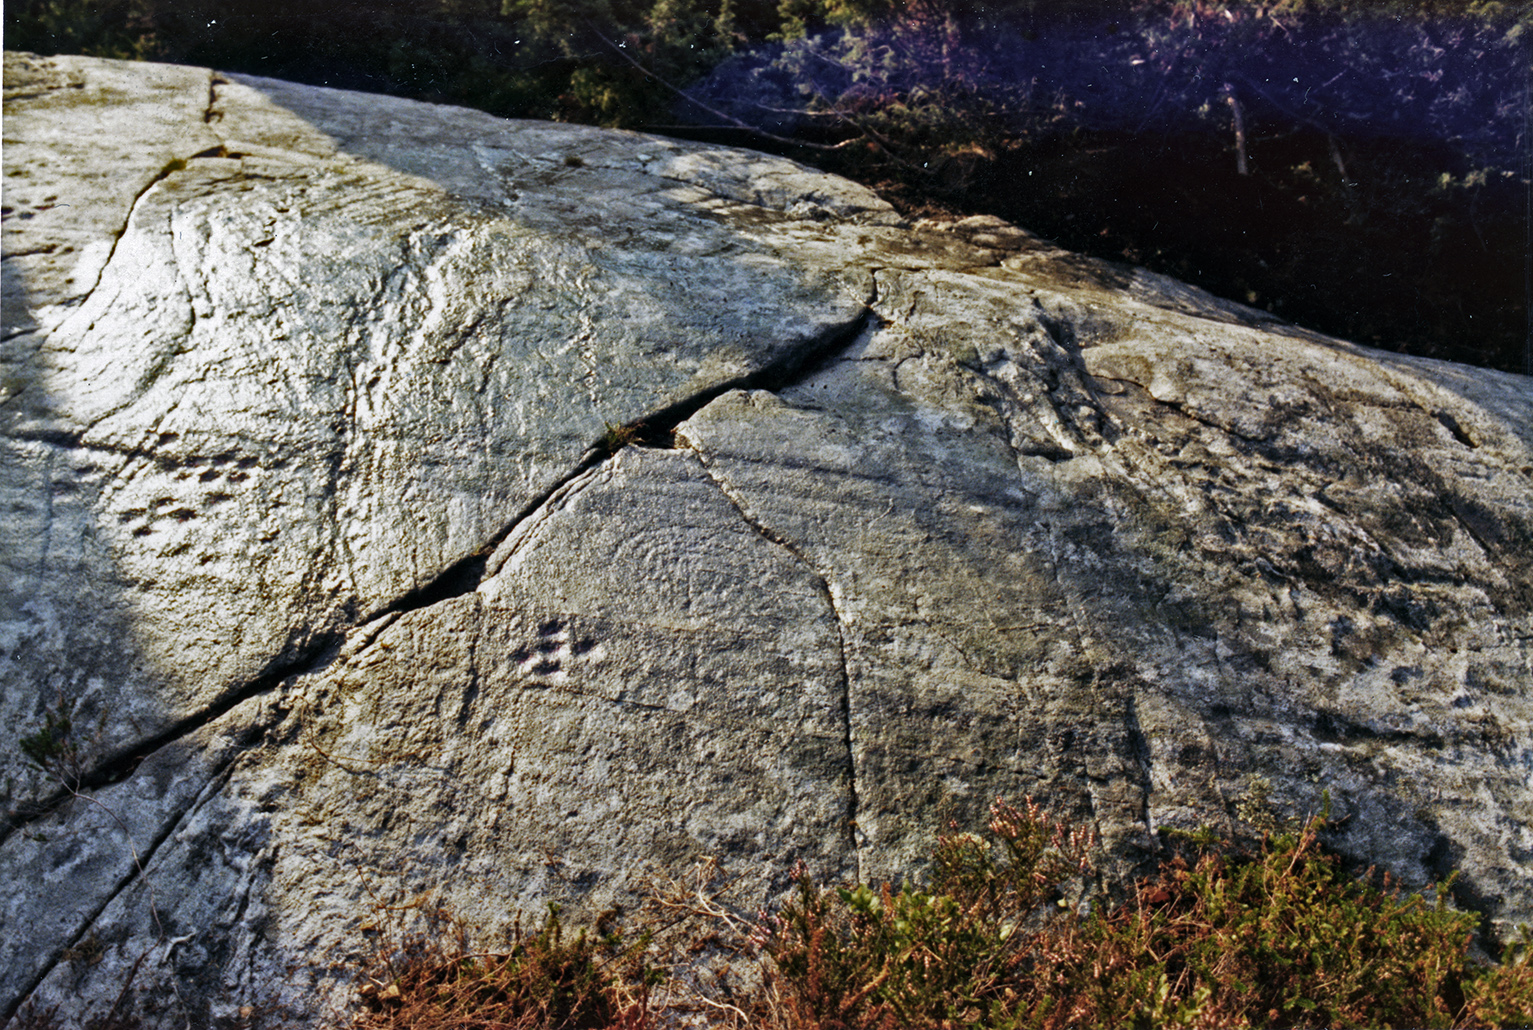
(1362, 167)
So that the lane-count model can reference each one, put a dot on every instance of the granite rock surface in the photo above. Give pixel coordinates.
(399, 500)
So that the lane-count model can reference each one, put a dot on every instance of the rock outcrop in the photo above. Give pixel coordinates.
(398, 499)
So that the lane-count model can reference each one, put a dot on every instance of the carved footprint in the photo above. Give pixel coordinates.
(547, 656)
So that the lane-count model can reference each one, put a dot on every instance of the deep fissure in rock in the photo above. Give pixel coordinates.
(461, 577)
(122, 763)
(171, 167)
(140, 867)
(656, 429)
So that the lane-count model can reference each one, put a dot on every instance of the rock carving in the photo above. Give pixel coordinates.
(400, 499)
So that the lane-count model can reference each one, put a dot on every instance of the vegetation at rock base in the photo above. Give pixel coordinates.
(1358, 166)
(1274, 934)
(547, 978)
(1011, 929)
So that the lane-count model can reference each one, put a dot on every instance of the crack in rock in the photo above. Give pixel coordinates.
(461, 577)
(1187, 411)
(854, 834)
(655, 429)
(139, 868)
(121, 764)
(170, 167)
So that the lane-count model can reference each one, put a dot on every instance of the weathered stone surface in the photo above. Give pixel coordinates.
(300, 343)
(312, 512)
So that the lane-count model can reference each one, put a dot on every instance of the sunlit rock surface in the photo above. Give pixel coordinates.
(402, 500)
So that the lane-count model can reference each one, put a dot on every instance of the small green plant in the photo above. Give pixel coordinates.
(1503, 996)
(1279, 938)
(53, 749)
(615, 437)
(88, 951)
(1254, 807)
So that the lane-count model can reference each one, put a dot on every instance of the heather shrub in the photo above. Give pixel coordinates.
(1279, 936)
(945, 955)
(545, 980)
(1010, 930)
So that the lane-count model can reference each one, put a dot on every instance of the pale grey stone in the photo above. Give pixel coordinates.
(415, 503)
